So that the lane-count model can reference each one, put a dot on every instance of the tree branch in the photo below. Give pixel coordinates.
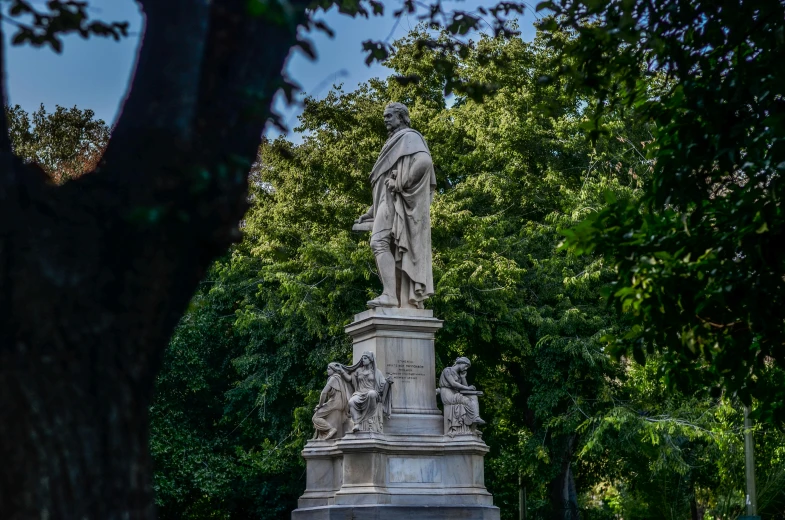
(166, 80)
(241, 74)
(7, 201)
(191, 127)
(5, 140)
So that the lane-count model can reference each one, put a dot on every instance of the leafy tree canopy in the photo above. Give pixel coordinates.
(246, 364)
(40, 25)
(699, 261)
(66, 143)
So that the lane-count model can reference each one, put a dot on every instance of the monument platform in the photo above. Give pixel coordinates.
(411, 467)
(403, 342)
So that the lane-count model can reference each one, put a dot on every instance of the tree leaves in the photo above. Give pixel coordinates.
(46, 26)
(66, 143)
(529, 316)
(702, 254)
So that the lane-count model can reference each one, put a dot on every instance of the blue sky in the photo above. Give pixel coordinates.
(95, 73)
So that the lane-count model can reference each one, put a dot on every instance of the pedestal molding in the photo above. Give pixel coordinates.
(410, 468)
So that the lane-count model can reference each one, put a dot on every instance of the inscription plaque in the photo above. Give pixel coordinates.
(405, 370)
(410, 469)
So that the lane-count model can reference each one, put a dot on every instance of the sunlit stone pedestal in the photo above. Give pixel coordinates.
(411, 468)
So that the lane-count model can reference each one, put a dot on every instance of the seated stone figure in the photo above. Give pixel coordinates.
(371, 399)
(331, 412)
(461, 408)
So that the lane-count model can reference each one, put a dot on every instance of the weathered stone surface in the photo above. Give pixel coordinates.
(419, 470)
(461, 407)
(395, 512)
(403, 342)
(411, 468)
(331, 413)
(403, 183)
(324, 474)
(370, 402)
(355, 398)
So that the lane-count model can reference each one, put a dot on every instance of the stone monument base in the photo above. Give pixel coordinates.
(411, 468)
(392, 512)
(375, 476)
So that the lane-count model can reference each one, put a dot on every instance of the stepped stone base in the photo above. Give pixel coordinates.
(368, 468)
(392, 512)
(411, 469)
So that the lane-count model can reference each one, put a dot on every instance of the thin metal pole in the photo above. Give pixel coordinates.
(525, 505)
(521, 499)
(749, 463)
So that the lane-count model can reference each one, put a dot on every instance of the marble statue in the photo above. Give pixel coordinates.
(461, 408)
(403, 184)
(371, 399)
(331, 412)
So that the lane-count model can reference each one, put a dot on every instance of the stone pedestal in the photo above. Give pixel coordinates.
(402, 340)
(411, 468)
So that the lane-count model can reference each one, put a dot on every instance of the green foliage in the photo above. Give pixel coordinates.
(225, 446)
(251, 353)
(658, 451)
(700, 262)
(66, 143)
(41, 26)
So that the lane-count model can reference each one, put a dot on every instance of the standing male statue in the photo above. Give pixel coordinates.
(403, 184)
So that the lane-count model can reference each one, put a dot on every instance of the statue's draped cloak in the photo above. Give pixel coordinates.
(338, 395)
(333, 413)
(460, 410)
(405, 214)
(365, 383)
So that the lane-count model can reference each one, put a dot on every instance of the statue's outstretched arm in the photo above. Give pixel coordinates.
(346, 373)
(368, 215)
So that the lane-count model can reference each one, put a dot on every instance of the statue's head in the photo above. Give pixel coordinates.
(462, 364)
(333, 368)
(368, 359)
(396, 116)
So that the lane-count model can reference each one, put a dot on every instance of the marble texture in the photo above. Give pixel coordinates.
(425, 470)
(460, 399)
(331, 413)
(411, 468)
(403, 182)
(370, 401)
(403, 342)
(324, 474)
(395, 512)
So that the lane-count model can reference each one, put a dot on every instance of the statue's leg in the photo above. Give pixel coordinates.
(473, 410)
(354, 411)
(405, 290)
(321, 426)
(385, 263)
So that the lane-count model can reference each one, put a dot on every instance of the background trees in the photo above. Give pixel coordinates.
(247, 361)
(271, 314)
(699, 263)
(66, 143)
(94, 274)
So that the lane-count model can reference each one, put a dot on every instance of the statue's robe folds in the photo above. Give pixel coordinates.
(404, 214)
(335, 410)
(372, 397)
(460, 411)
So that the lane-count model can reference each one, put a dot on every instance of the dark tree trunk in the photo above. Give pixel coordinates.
(95, 274)
(695, 512)
(563, 494)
